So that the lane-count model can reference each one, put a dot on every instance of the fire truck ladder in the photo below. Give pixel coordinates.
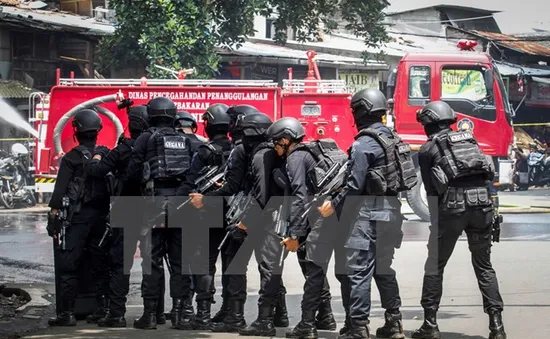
(167, 82)
(38, 118)
(314, 86)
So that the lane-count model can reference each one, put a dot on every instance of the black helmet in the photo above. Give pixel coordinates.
(185, 119)
(216, 115)
(87, 120)
(138, 119)
(289, 128)
(161, 107)
(236, 111)
(436, 112)
(255, 124)
(371, 100)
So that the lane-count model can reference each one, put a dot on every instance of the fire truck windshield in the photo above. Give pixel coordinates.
(505, 99)
(465, 89)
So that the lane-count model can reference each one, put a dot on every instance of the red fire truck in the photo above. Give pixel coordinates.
(471, 84)
(467, 80)
(321, 105)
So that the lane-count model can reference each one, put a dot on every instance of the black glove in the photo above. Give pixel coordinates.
(102, 151)
(236, 233)
(53, 224)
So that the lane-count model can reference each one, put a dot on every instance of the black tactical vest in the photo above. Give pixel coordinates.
(172, 154)
(382, 176)
(461, 156)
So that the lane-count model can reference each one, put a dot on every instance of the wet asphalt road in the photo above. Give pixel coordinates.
(26, 250)
(520, 260)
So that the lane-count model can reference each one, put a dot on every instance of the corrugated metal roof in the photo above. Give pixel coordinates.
(11, 89)
(444, 7)
(527, 47)
(512, 69)
(56, 21)
(269, 50)
(10, 2)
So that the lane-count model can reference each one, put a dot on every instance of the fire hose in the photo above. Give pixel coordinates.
(87, 104)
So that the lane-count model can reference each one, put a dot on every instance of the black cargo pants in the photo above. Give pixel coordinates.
(84, 234)
(477, 222)
(161, 243)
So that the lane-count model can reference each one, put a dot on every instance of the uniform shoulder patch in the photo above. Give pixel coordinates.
(460, 136)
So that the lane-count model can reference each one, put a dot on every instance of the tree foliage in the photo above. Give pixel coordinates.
(185, 33)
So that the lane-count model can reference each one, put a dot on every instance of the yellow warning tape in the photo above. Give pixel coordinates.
(532, 124)
(39, 180)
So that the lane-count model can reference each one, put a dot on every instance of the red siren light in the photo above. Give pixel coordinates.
(466, 45)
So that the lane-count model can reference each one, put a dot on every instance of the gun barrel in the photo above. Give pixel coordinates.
(223, 241)
(184, 203)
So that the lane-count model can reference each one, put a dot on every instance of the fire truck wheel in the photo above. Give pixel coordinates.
(418, 200)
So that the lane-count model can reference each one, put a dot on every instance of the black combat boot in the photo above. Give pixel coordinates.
(180, 316)
(393, 328)
(305, 328)
(346, 326)
(496, 326)
(234, 320)
(161, 317)
(263, 326)
(202, 320)
(148, 320)
(218, 318)
(429, 329)
(280, 318)
(111, 320)
(357, 330)
(103, 303)
(325, 319)
(65, 315)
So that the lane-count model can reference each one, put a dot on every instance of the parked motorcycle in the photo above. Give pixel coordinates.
(14, 178)
(539, 169)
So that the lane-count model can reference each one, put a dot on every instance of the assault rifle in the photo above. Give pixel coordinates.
(280, 217)
(64, 218)
(495, 232)
(330, 183)
(238, 204)
(209, 176)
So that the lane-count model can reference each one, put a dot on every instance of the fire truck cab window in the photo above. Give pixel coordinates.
(419, 82)
(465, 90)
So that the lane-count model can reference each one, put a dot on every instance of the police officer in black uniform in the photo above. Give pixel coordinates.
(376, 228)
(258, 222)
(182, 310)
(214, 153)
(116, 163)
(287, 135)
(160, 161)
(459, 200)
(86, 214)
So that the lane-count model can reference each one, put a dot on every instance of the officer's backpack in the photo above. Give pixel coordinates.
(220, 156)
(173, 154)
(398, 154)
(81, 189)
(462, 156)
(325, 152)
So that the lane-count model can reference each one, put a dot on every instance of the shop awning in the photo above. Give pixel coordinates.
(512, 69)
(541, 80)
